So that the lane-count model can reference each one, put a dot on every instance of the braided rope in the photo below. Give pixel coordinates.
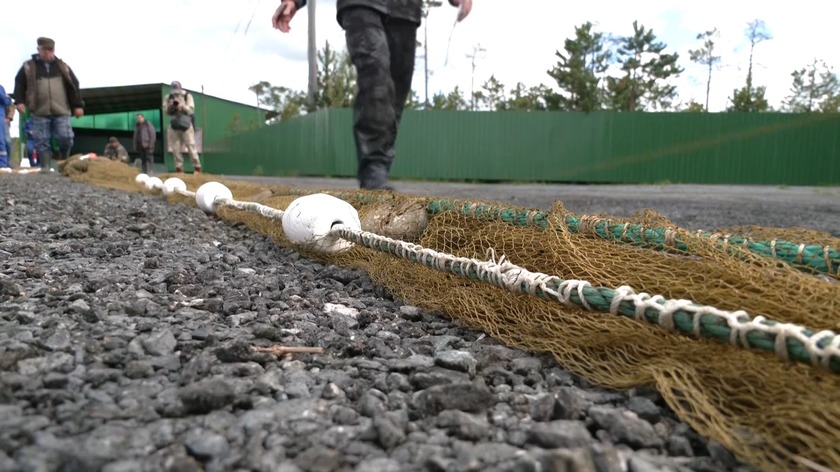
(259, 208)
(804, 257)
(788, 341)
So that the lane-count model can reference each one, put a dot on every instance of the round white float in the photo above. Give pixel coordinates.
(153, 183)
(206, 195)
(141, 178)
(308, 220)
(172, 185)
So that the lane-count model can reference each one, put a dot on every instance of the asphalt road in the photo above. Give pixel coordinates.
(706, 207)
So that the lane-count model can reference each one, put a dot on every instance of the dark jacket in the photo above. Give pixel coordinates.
(411, 10)
(144, 136)
(36, 81)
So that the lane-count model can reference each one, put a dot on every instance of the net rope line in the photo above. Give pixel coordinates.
(806, 258)
(823, 259)
(790, 342)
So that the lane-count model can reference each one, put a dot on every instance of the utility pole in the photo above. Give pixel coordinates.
(312, 51)
(477, 53)
(427, 7)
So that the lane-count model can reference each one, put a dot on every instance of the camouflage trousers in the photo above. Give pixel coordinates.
(183, 139)
(382, 51)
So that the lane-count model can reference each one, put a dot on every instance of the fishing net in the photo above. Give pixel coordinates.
(773, 414)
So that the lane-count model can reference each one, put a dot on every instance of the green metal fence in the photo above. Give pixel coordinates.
(722, 148)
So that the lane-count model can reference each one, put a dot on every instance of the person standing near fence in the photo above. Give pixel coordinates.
(47, 86)
(381, 40)
(180, 107)
(144, 143)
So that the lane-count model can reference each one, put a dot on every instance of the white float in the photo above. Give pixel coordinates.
(153, 183)
(172, 185)
(206, 195)
(141, 178)
(308, 221)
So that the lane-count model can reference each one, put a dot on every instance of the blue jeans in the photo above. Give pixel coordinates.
(46, 127)
(4, 147)
(8, 133)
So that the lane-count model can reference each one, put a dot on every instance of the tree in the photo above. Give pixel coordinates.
(815, 88)
(286, 102)
(749, 98)
(492, 95)
(454, 100)
(705, 55)
(694, 107)
(579, 70)
(522, 98)
(646, 70)
(336, 79)
(413, 101)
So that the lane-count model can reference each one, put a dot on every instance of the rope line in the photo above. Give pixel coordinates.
(788, 341)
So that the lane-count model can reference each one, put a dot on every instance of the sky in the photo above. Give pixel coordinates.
(226, 47)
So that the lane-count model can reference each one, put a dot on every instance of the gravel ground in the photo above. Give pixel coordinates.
(126, 334)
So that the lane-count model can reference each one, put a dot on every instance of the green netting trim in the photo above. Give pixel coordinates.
(809, 257)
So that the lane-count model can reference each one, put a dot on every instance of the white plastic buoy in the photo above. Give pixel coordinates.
(172, 185)
(206, 195)
(309, 219)
(141, 178)
(153, 183)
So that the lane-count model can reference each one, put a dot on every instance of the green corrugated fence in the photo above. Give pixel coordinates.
(607, 147)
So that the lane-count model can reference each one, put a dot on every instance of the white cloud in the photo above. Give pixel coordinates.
(111, 43)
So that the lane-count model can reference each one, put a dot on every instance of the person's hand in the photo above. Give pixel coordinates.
(21, 108)
(78, 112)
(465, 7)
(283, 15)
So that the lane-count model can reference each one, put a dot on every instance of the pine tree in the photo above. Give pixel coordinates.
(646, 70)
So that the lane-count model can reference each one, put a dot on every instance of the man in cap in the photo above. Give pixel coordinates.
(381, 39)
(47, 86)
(180, 107)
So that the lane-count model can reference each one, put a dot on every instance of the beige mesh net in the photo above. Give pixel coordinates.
(773, 414)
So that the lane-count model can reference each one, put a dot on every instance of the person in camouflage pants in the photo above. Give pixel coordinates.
(381, 39)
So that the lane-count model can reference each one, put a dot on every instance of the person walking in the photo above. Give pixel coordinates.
(47, 86)
(381, 40)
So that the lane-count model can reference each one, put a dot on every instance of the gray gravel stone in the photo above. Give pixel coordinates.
(126, 344)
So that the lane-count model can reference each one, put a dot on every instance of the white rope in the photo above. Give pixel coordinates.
(262, 210)
(507, 275)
